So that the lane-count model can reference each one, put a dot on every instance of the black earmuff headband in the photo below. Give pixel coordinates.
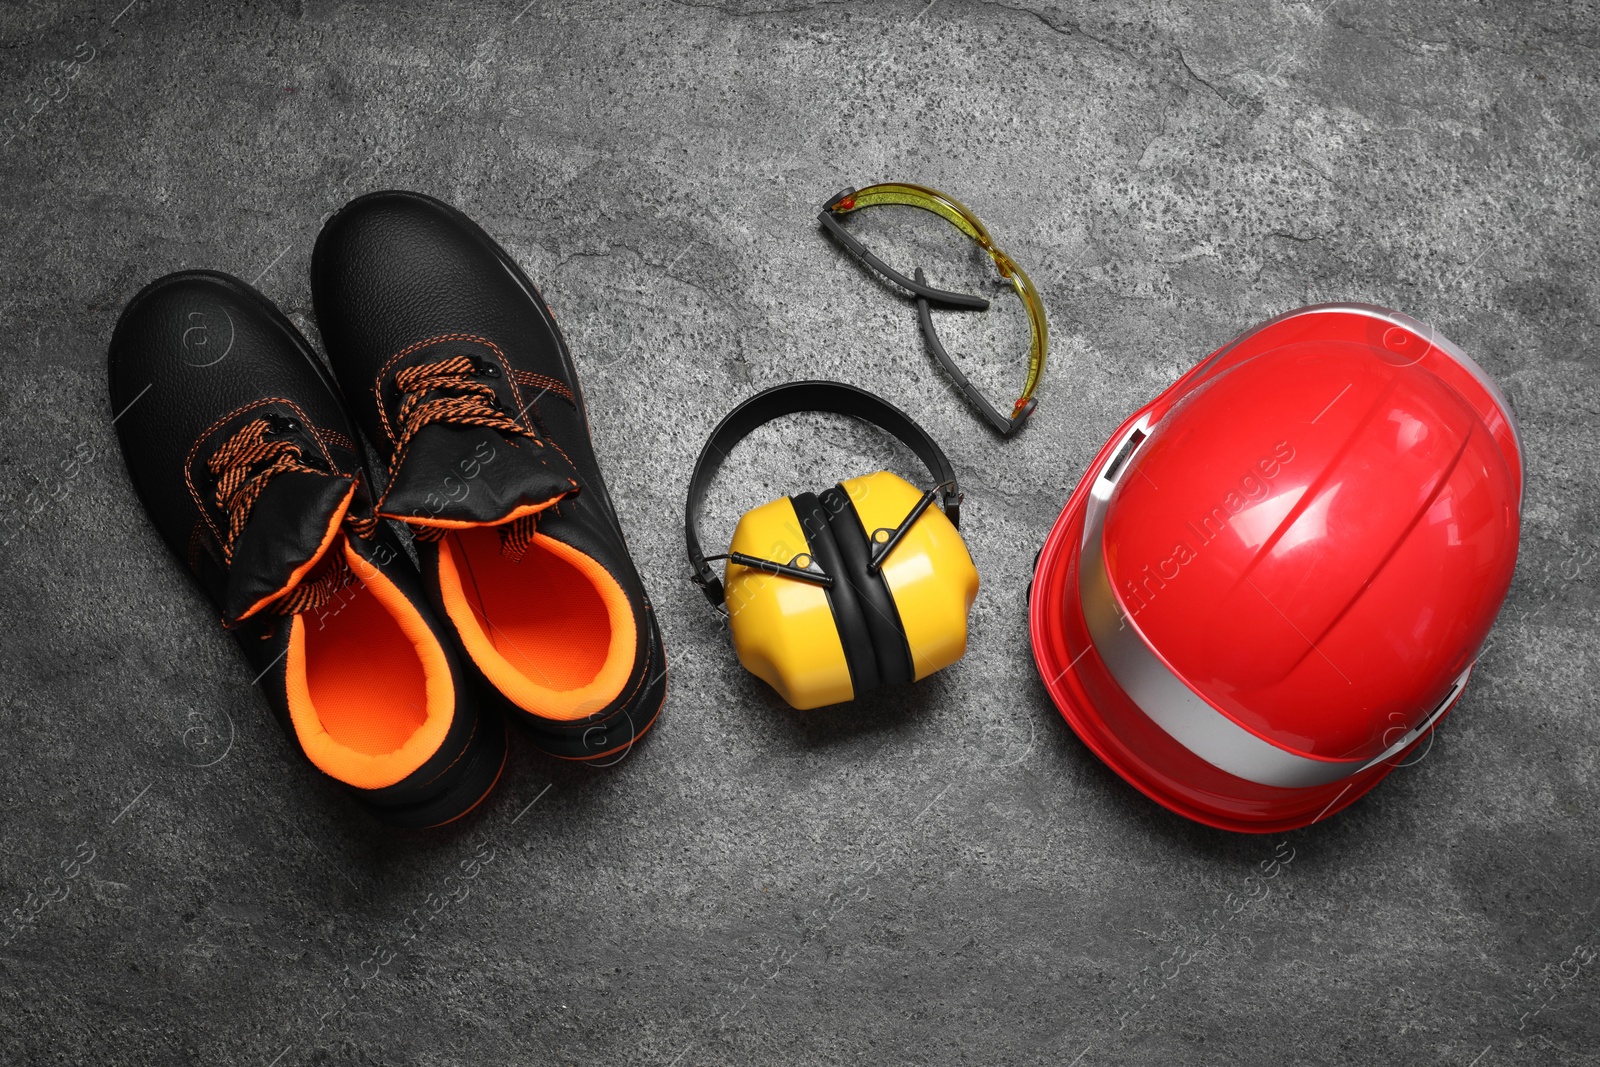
(791, 399)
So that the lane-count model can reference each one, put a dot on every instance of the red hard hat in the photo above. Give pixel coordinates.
(1273, 580)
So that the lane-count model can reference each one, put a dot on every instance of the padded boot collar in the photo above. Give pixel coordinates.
(454, 476)
(291, 528)
(293, 520)
(466, 449)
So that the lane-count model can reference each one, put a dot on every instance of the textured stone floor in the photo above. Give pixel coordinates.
(941, 876)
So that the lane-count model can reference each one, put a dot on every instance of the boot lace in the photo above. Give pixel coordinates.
(450, 390)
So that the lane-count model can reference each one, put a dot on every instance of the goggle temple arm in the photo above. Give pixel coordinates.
(1021, 410)
(918, 288)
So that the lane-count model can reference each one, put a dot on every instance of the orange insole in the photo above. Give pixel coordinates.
(364, 676)
(543, 614)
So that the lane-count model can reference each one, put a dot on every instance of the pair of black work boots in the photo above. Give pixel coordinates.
(247, 456)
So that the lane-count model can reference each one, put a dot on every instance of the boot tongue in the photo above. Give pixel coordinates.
(452, 475)
(292, 525)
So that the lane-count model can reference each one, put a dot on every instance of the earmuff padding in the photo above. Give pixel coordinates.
(847, 610)
(878, 608)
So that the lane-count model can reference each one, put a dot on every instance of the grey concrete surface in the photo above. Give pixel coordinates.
(941, 876)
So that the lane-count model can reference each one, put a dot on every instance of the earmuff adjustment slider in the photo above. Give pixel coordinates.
(709, 583)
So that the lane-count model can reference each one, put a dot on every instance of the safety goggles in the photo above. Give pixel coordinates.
(952, 211)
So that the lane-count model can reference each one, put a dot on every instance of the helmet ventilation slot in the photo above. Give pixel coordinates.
(1127, 449)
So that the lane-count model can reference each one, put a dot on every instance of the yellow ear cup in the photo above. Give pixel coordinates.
(930, 573)
(783, 628)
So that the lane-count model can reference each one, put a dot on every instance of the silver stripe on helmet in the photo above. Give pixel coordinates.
(1165, 698)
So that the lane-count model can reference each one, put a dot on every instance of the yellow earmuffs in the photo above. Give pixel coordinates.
(833, 594)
